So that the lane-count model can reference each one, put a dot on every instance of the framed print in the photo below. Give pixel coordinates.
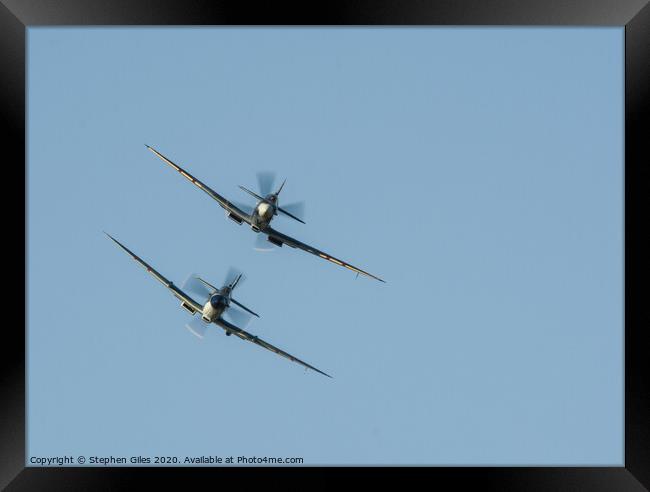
(456, 300)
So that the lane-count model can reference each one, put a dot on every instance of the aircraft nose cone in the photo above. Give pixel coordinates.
(217, 301)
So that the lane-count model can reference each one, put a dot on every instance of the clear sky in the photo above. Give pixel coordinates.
(478, 171)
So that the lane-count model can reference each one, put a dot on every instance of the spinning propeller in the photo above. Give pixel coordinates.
(265, 183)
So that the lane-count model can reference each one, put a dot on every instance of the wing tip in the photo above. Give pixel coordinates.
(373, 276)
(320, 372)
(376, 278)
(124, 248)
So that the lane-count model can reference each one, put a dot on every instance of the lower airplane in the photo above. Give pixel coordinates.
(217, 305)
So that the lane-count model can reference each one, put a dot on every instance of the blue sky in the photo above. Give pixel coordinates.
(478, 171)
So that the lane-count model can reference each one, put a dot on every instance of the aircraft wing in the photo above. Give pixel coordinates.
(244, 335)
(182, 296)
(294, 243)
(228, 206)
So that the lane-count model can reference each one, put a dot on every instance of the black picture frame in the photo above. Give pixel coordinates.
(634, 15)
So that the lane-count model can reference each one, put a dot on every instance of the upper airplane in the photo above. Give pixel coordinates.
(261, 216)
(212, 311)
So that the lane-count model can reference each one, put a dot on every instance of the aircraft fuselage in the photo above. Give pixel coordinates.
(264, 212)
(214, 307)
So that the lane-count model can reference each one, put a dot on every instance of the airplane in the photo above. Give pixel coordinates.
(217, 305)
(260, 219)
